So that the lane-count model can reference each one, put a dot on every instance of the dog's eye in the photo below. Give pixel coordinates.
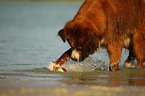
(68, 41)
(72, 48)
(79, 48)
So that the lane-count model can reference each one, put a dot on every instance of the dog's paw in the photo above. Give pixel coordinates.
(131, 64)
(53, 66)
(112, 68)
(127, 64)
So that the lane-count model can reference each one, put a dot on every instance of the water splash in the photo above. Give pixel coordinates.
(88, 65)
(132, 64)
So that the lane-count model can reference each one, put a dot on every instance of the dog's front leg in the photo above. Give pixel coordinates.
(63, 58)
(114, 52)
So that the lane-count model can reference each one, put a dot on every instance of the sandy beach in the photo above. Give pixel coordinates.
(65, 90)
(33, 88)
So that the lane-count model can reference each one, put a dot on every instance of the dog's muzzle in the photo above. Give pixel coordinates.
(75, 55)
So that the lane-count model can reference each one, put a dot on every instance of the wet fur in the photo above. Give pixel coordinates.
(113, 24)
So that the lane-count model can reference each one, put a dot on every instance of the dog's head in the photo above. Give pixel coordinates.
(82, 42)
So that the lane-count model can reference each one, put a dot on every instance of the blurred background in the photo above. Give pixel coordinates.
(40, 0)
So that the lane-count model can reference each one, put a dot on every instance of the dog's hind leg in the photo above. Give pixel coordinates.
(129, 61)
(139, 49)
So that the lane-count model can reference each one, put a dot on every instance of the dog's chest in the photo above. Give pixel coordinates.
(126, 42)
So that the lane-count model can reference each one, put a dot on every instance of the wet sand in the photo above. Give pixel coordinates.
(67, 90)
(74, 85)
(73, 91)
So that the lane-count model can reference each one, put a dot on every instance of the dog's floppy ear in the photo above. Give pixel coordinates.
(62, 34)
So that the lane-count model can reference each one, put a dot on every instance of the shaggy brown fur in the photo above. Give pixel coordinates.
(113, 24)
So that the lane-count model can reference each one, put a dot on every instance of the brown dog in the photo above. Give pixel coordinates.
(113, 24)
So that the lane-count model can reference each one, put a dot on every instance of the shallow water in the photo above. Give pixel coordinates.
(29, 42)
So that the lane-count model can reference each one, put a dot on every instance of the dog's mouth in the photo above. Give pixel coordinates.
(76, 55)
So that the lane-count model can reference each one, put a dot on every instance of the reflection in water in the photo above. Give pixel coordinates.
(126, 77)
(136, 80)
